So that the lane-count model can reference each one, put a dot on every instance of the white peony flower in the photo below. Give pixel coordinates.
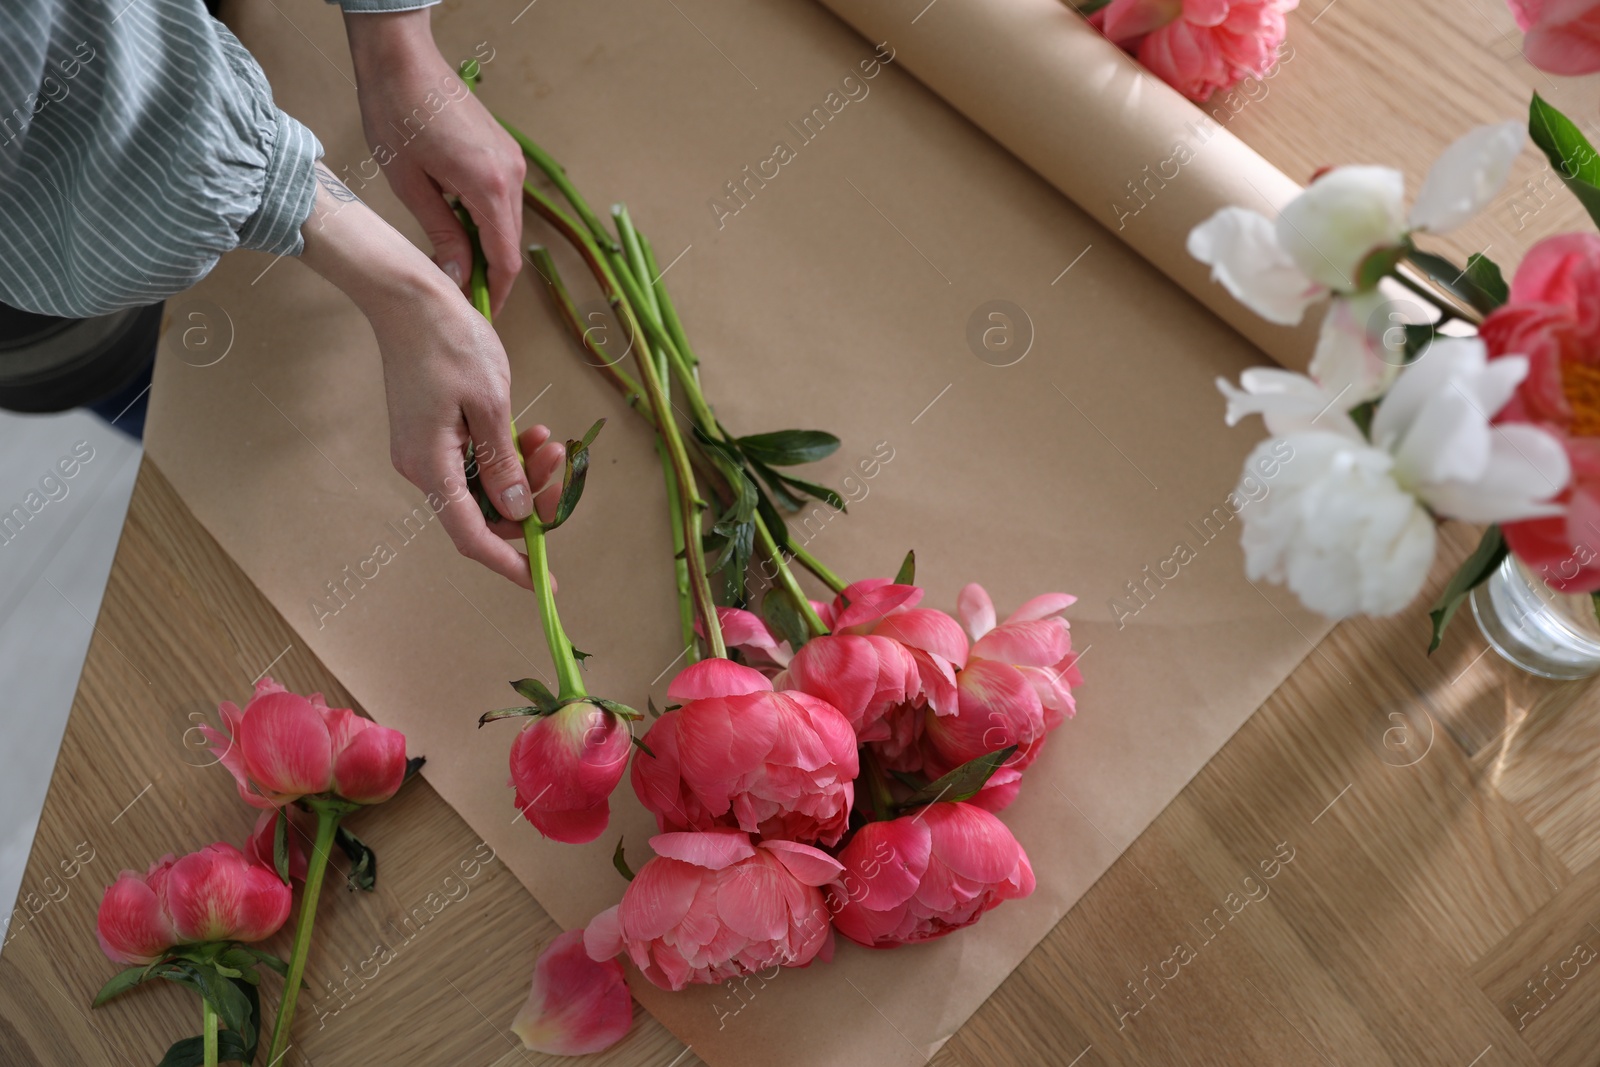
(1241, 247)
(1321, 237)
(1436, 424)
(1359, 351)
(1288, 403)
(1467, 177)
(1345, 526)
(1336, 528)
(1341, 218)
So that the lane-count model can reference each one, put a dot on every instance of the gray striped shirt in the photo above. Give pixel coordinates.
(138, 143)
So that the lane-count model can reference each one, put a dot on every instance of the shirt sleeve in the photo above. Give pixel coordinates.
(147, 145)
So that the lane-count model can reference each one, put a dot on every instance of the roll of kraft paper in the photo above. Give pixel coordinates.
(1118, 141)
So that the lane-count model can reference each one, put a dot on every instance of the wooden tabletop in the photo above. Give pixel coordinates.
(1392, 862)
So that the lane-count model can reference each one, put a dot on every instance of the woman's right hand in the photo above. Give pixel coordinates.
(445, 375)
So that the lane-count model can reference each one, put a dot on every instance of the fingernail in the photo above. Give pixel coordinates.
(452, 269)
(514, 503)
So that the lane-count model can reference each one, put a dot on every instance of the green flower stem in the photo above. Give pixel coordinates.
(569, 677)
(816, 566)
(1447, 309)
(666, 426)
(208, 1017)
(619, 378)
(630, 287)
(787, 579)
(680, 560)
(669, 313)
(328, 815)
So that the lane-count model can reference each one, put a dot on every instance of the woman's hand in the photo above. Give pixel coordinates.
(444, 372)
(433, 139)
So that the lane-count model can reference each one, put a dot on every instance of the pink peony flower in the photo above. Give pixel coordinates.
(1553, 318)
(1199, 47)
(864, 676)
(564, 766)
(926, 874)
(754, 639)
(738, 754)
(577, 1004)
(215, 894)
(1560, 36)
(284, 746)
(713, 906)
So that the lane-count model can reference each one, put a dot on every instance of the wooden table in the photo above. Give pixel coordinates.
(1393, 862)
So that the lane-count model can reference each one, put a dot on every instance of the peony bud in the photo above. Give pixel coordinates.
(564, 766)
(215, 894)
(284, 746)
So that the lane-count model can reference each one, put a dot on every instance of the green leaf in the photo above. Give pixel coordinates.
(774, 482)
(1379, 264)
(120, 983)
(1456, 281)
(961, 783)
(190, 1052)
(789, 448)
(782, 616)
(907, 574)
(536, 691)
(263, 957)
(1474, 572)
(639, 741)
(821, 492)
(413, 767)
(622, 711)
(620, 862)
(1568, 151)
(1485, 274)
(509, 713)
(577, 472)
(363, 861)
(280, 845)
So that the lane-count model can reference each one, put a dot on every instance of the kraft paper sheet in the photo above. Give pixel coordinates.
(848, 292)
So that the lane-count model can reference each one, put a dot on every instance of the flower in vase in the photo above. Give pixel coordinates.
(564, 766)
(738, 754)
(712, 906)
(215, 894)
(1347, 525)
(1199, 47)
(284, 746)
(577, 1005)
(1553, 321)
(925, 875)
(1324, 239)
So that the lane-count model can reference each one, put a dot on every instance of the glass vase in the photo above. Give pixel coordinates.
(1543, 631)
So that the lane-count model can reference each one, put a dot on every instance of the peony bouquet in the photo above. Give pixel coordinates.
(822, 766)
(1436, 391)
